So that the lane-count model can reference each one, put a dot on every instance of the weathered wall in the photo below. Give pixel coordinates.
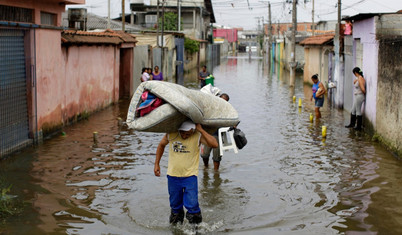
(389, 99)
(366, 31)
(68, 83)
(50, 74)
(312, 63)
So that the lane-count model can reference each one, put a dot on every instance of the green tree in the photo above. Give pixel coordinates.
(170, 21)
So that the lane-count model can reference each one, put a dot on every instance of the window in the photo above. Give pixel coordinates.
(47, 18)
(150, 19)
(18, 14)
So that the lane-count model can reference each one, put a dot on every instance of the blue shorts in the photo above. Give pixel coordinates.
(319, 102)
(183, 191)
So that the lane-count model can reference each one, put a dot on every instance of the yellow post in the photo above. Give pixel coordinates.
(300, 102)
(311, 117)
(95, 136)
(294, 98)
(324, 131)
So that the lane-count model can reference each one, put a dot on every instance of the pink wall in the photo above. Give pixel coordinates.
(68, 83)
(366, 31)
(229, 34)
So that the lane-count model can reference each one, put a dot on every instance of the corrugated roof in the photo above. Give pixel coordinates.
(105, 37)
(318, 39)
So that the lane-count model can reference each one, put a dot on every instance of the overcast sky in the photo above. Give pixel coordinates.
(246, 13)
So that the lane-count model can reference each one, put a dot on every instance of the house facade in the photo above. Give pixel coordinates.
(23, 24)
(196, 15)
(318, 57)
(51, 77)
(375, 47)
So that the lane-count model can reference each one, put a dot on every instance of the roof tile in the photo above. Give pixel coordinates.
(318, 39)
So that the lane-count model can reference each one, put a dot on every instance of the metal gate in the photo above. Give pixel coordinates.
(14, 127)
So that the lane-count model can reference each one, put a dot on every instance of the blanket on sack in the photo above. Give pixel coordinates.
(180, 104)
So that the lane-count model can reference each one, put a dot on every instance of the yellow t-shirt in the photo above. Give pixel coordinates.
(184, 154)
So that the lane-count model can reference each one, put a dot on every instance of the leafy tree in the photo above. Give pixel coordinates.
(170, 21)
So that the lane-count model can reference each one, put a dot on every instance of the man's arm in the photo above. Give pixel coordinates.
(159, 153)
(206, 138)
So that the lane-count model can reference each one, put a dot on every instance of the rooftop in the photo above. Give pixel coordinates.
(318, 39)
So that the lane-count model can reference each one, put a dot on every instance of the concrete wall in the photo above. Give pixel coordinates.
(68, 83)
(365, 30)
(389, 99)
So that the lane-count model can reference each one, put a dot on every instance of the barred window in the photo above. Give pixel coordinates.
(17, 14)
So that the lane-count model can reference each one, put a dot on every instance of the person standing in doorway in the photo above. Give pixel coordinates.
(359, 92)
(184, 152)
(157, 74)
(318, 95)
(203, 74)
(206, 150)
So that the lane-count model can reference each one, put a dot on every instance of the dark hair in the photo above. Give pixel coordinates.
(358, 71)
(204, 66)
(224, 96)
(143, 70)
(315, 76)
(156, 66)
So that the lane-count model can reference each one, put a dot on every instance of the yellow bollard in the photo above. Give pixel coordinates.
(294, 99)
(300, 102)
(324, 131)
(311, 117)
(95, 136)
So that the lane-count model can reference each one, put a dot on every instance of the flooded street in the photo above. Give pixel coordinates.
(287, 180)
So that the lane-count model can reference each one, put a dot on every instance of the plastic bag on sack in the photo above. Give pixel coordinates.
(239, 137)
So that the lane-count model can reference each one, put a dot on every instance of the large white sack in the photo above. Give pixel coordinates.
(181, 104)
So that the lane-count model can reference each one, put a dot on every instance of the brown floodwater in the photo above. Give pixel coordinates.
(287, 180)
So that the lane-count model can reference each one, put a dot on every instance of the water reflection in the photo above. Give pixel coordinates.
(288, 179)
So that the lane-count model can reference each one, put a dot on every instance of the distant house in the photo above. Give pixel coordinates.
(196, 15)
(95, 22)
(318, 51)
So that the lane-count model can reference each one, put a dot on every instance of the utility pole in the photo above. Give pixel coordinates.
(123, 16)
(292, 63)
(313, 26)
(108, 14)
(157, 24)
(178, 14)
(163, 28)
(269, 33)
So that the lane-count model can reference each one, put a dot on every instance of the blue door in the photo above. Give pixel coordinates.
(14, 127)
